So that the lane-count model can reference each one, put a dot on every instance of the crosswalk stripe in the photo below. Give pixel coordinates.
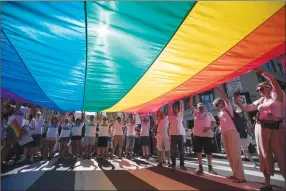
(24, 178)
(249, 172)
(224, 180)
(160, 182)
(92, 180)
(214, 161)
(112, 175)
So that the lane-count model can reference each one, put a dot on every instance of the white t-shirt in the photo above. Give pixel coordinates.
(226, 122)
(145, 128)
(131, 129)
(90, 129)
(52, 131)
(103, 130)
(266, 107)
(202, 120)
(29, 127)
(19, 116)
(163, 127)
(77, 130)
(118, 128)
(176, 125)
(66, 130)
(38, 125)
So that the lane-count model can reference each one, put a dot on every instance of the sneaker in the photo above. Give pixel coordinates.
(212, 171)
(171, 165)
(266, 188)
(160, 165)
(183, 168)
(255, 165)
(200, 171)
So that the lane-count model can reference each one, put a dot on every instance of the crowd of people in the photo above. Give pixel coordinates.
(44, 132)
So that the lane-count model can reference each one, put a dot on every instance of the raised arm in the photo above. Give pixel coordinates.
(191, 104)
(170, 109)
(83, 116)
(99, 116)
(223, 95)
(108, 116)
(60, 121)
(124, 118)
(246, 108)
(273, 83)
(5, 104)
(182, 107)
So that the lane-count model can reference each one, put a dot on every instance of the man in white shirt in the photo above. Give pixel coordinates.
(130, 136)
(118, 138)
(144, 135)
(203, 134)
(89, 135)
(163, 140)
(177, 132)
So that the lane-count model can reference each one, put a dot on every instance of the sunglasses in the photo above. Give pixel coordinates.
(201, 107)
(260, 89)
(216, 105)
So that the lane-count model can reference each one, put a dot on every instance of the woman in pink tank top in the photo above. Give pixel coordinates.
(270, 128)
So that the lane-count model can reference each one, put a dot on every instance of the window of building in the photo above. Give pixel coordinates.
(187, 103)
(282, 70)
(207, 99)
(271, 66)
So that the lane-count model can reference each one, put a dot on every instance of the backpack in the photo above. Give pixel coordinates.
(239, 124)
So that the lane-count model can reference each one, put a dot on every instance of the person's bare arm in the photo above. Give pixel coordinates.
(191, 104)
(170, 110)
(273, 83)
(223, 95)
(182, 108)
(5, 104)
(246, 108)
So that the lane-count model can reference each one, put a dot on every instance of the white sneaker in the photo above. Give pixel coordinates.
(31, 159)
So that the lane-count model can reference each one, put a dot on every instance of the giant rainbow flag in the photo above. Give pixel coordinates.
(132, 56)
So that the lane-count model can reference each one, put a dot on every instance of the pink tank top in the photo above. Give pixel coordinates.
(271, 109)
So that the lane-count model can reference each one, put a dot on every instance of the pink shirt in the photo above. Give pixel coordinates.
(226, 122)
(271, 108)
(201, 121)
